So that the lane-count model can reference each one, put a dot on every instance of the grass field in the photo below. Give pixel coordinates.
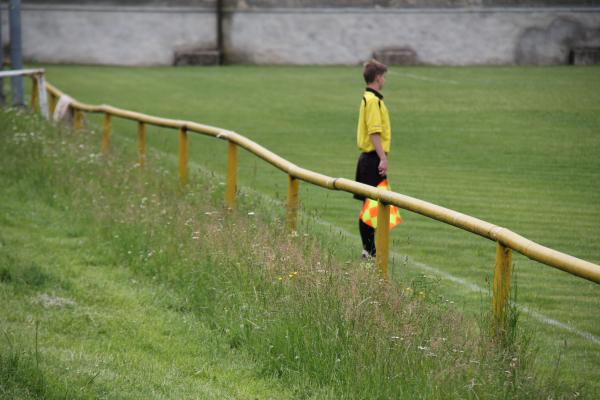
(75, 322)
(514, 146)
(115, 283)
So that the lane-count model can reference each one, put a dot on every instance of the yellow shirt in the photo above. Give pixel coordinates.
(373, 118)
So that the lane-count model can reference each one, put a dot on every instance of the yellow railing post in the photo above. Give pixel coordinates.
(501, 285)
(382, 238)
(292, 203)
(77, 119)
(34, 93)
(183, 155)
(142, 143)
(51, 103)
(107, 130)
(231, 175)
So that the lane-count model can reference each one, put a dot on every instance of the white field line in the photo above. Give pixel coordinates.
(423, 78)
(425, 267)
(469, 285)
(561, 325)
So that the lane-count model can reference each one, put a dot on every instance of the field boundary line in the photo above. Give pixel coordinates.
(475, 288)
(423, 78)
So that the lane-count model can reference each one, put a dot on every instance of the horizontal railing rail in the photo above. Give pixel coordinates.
(21, 72)
(506, 239)
(38, 88)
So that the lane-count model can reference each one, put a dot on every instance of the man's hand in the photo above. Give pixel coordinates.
(383, 163)
(383, 167)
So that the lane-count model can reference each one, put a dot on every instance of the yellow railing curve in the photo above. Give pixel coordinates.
(506, 240)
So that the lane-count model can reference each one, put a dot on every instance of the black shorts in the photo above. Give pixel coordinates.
(367, 171)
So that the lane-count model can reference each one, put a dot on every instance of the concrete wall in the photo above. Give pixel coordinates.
(239, 4)
(439, 36)
(108, 34)
(149, 33)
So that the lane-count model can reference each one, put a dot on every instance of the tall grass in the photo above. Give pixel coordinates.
(22, 375)
(328, 328)
(516, 146)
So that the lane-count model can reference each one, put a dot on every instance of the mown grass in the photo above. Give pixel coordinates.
(515, 146)
(75, 323)
(149, 268)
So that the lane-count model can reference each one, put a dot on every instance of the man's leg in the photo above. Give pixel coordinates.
(367, 235)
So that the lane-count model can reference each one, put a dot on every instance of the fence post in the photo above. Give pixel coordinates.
(142, 143)
(34, 93)
(382, 237)
(51, 103)
(77, 119)
(183, 155)
(16, 51)
(43, 98)
(2, 98)
(231, 174)
(292, 203)
(106, 133)
(501, 285)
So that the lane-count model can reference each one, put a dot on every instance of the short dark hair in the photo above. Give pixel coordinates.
(373, 69)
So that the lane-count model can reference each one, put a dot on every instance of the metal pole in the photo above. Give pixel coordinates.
(382, 238)
(34, 93)
(501, 286)
(106, 133)
(231, 175)
(142, 143)
(42, 95)
(16, 56)
(2, 98)
(78, 120)
(51, 103)
(183, 156)
(292, 203)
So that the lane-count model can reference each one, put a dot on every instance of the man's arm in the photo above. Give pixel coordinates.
(383, 163)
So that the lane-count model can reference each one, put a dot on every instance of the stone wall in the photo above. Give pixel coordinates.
(115, 35)
(441, 36)
(242, 4)
(448, 32)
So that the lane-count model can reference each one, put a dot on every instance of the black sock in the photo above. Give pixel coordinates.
(367, 235)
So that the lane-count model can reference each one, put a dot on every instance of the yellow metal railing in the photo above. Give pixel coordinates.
(506, 239)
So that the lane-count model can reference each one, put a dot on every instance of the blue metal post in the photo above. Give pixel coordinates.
(2, 98)
(16, 56)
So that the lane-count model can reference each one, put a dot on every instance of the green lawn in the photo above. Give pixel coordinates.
(75, 322)
(517, 147)
(103, 332)
(116, 283)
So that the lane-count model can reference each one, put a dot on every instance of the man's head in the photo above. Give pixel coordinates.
(374, 73)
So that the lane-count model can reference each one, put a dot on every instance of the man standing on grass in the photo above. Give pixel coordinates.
(373, 138)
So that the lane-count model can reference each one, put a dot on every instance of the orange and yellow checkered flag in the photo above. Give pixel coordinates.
(368, 214)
